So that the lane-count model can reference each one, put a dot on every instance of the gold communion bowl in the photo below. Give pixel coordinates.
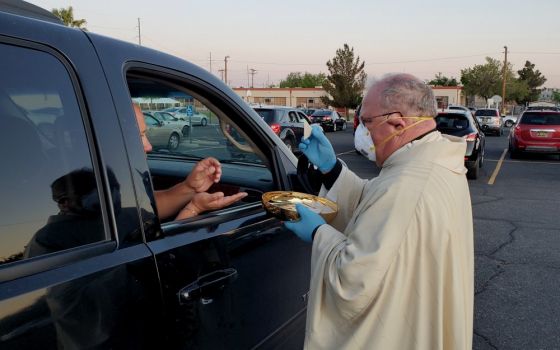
(282, 205)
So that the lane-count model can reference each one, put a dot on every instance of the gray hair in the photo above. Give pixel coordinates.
(407, 94)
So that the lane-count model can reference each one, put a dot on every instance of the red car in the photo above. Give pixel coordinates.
(536, 132)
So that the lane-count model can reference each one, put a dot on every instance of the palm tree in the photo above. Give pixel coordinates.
(66, 15)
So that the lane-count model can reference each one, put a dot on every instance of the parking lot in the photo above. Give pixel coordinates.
(517, 240)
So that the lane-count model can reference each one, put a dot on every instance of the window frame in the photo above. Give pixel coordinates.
(219, 103)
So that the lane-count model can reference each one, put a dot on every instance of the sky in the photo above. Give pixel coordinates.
(275, 38)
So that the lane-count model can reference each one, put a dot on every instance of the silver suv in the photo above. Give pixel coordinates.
(490, 120)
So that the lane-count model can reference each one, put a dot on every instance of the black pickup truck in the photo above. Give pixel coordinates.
(85, 262)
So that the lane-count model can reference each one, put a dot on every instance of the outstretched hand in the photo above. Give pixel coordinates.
(213, 201)
(205, 173)
(319, 150)
(308, 222)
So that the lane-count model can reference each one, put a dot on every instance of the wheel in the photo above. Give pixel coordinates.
(472, 173)
(344, 126)
(186, 130)
(173, 141)
(513, 153)
(481, 159)
(203, 121)
(508, 123)
(289, 143)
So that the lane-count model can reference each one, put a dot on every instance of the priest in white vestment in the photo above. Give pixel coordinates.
(394, 270)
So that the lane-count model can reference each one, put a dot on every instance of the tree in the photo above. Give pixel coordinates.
(483, 79)
(533, 78)
(66, 15)
(441, 80)
(346, 80)
(306, 80)
(556, 96)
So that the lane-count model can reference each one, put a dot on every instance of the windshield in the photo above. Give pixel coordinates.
(321, 113)
(455, 124)
(540, 119)
(485, 113)
(268, 115)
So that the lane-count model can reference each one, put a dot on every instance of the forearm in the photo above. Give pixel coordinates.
(169, 202)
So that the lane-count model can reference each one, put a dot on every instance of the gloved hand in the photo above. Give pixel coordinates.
(318, 150)
(308, 222)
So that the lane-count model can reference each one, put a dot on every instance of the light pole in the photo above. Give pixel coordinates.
(225, 69)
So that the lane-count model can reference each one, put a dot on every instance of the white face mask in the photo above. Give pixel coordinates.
(363, 142)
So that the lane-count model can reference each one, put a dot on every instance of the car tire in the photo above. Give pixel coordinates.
(186, 130)
(203, 121)
(173, 142)
(472, 173)
(481, 159)
(508, 123)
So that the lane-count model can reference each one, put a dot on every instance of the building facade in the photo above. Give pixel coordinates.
(291, 97)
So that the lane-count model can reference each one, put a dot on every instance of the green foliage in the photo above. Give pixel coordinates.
(533, 78)
(516, 90)
(346, 79)
(556, 96)
(66, 15)
(483, 79)
(441, 80)
(305, 80)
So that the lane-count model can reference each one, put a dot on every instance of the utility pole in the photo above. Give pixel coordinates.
(221, 73)
(248, 76)
(504, 82)
(139, 36)
(210, 62)
(225, 69)
(253, 72)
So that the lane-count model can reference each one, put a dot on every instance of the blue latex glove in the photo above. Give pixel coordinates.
(308, 222)
(319, 150)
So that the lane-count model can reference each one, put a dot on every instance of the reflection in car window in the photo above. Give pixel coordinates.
(209, 135)
(540, 118)
(48, 186)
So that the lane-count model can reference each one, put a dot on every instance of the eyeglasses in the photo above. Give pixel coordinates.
(369, 120)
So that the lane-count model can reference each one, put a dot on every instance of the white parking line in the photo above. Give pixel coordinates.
(497, 170)
(521, 161)
(339, 154)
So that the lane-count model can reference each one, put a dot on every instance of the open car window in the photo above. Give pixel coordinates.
(200, 129)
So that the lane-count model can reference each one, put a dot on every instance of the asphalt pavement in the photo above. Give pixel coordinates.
(516, 213)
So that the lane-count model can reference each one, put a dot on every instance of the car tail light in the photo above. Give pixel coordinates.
(517, 130)
(327, 118)
(275, 128)
(471, 137)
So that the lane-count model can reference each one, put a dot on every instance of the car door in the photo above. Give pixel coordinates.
(233, 278)
(74, 271)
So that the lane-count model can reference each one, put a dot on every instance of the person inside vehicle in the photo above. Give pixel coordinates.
(189, 197)
(395, 268)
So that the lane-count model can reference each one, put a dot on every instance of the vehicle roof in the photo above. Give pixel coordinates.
(273, 107)
(456, 111)
(25, 9)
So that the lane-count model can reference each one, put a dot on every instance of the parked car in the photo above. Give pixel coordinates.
(168, 118)
(161, 134)
(461, 123)
(85, 261)
(286, 122)
(536, 132)
(357, 117)
(329, 120)
(309, 111)
(490, 120)
(509, 120)
(181, 113)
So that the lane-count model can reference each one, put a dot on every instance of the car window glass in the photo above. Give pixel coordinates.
(50, 200)
(540, 119)
(205, 131)
(293, 117)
